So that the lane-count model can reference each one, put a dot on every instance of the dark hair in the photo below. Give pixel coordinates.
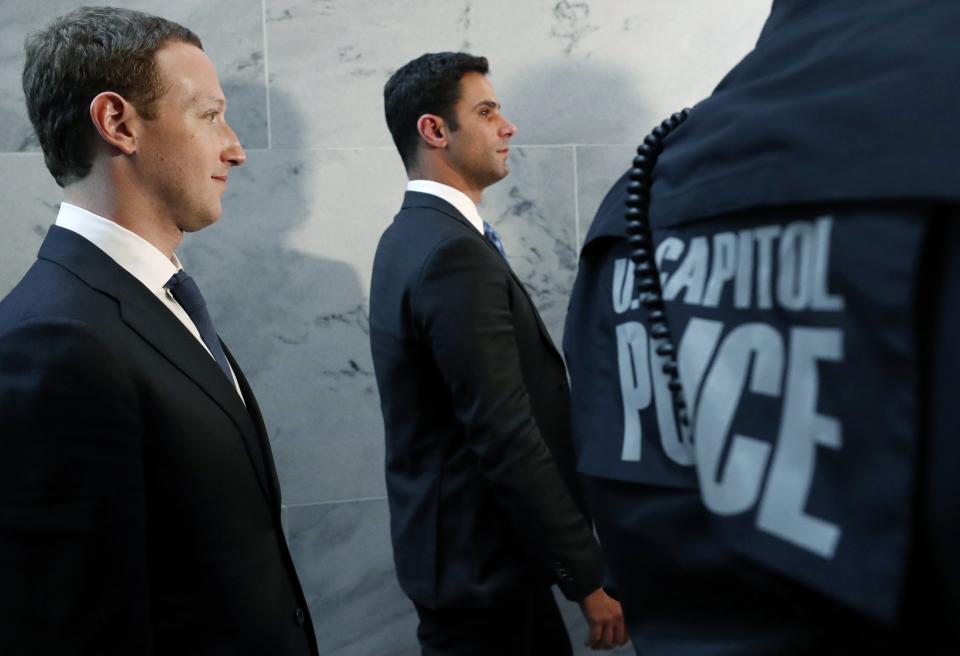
(84, 53)
(430, 84)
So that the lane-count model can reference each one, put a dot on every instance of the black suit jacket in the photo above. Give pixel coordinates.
(139, 505)
(475, 402)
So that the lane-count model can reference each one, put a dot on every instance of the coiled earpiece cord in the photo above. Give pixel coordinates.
(645, 276)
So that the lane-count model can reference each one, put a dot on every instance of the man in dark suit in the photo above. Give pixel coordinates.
(139, 505)
(774, 466)
(485, 508)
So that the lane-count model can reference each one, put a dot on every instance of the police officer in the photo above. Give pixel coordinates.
(764, 359)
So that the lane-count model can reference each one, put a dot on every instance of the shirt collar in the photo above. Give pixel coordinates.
(453, 196)
(136, 255)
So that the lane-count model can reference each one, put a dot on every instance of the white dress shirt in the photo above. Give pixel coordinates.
(453, 196)
(136, 256)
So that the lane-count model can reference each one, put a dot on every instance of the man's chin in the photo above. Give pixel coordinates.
(198, 223)
(500, 175)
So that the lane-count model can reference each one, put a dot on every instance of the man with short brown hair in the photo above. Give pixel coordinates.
(139, 504)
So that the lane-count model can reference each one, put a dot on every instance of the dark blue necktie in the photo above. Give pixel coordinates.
(494, 239)
(187, 294)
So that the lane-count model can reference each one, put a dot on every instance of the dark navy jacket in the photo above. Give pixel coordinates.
(803, 221)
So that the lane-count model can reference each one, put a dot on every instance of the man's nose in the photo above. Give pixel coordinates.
(234, 152)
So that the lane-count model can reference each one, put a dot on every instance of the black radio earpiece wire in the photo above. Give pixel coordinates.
(645, 275)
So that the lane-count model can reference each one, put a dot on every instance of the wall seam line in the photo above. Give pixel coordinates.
(333, 502)
(266, 72)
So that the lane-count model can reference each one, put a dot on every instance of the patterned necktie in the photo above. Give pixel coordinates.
(494, 239)
(187, 294)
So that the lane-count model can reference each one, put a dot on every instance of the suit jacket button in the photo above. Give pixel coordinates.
(299, 616)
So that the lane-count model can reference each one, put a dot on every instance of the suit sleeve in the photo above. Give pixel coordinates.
(462, 304)
(72, 502)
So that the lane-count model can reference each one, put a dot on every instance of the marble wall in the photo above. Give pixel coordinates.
(287, 269)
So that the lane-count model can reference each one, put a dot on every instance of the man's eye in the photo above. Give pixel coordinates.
(212, 117)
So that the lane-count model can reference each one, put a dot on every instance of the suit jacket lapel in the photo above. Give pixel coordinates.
(414, 199)
(264, 455)
(145, 314)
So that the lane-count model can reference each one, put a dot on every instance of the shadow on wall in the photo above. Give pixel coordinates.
(297, 321)
(574, 102)
(270, 290)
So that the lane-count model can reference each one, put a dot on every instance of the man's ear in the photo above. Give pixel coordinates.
(115, 119)
(433, 130)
